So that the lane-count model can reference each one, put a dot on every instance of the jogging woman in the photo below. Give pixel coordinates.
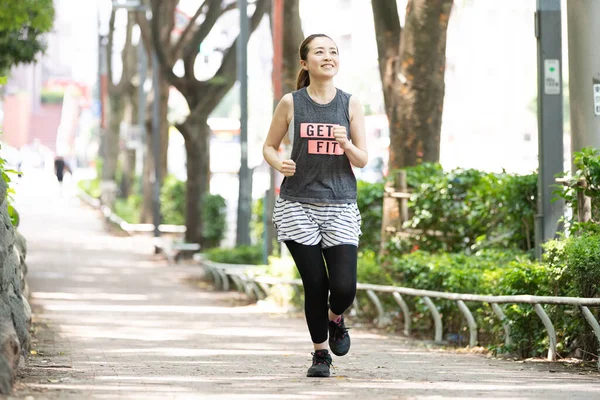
(316, 215)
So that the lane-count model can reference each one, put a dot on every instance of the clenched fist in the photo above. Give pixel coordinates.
(288, 167)
(341, 136)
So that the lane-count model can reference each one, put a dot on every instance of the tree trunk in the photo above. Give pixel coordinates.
(388, 33)
(292, 37)
(116, 104)
(412, 65)
(128, 174)
(133, 119)
(148, 173)
(111, 147)
(197, 138)
(416, 138)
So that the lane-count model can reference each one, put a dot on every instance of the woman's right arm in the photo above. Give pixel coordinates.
(277, 131)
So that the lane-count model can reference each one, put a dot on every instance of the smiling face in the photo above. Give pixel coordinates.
(322, 60)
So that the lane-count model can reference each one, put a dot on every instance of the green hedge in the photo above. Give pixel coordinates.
(370, 204)
(470, 209)
(571, 267)
(239, 255)
(172, 202)
(587, 167)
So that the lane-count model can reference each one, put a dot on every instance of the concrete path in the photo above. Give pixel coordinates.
(114, 322)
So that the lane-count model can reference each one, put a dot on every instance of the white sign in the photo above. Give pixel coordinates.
(552, 76)
(597, 98)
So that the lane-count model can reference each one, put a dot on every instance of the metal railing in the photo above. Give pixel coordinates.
(245, 282)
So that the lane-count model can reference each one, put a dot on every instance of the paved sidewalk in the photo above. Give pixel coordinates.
(114, 322)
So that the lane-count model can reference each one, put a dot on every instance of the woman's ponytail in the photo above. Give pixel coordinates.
(303, 79)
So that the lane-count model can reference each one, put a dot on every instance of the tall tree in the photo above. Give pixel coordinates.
(292, 37)
(287, 34)
(22, 25)
(116, 98)
(412, 62)
(165, 12)
(132, 118)
(202, 96)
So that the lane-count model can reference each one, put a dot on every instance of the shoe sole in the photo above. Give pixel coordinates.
(319, 375)
(338, 353)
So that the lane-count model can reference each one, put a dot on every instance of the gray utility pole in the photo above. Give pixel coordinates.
(550, 119)
(156, 145)
(583, 18)
(245, 174)
(143, 73)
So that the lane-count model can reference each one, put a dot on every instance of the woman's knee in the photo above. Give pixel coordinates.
(341, 296)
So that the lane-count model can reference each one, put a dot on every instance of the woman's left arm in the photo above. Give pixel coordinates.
(356, 150)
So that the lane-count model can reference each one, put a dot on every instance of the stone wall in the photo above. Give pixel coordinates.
(15, 314)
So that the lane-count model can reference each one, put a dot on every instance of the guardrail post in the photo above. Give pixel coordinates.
(265, 287)
(470, 321)
(378, 305)
(405, 312)
(595, 326)
(550, 329)
(224, 279)
(238, 282)
(254, 288)
(500, 314)
(437, 319)
(216, 275)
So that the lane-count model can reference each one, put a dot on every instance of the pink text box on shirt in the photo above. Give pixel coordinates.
(330, 147)
(316, 130)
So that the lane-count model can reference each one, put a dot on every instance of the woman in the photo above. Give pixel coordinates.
(316, 215)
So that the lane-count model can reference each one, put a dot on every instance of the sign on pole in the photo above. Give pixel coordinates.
(552, 76)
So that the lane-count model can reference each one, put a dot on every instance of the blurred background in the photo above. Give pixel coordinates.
(89, 96)
(482, 124)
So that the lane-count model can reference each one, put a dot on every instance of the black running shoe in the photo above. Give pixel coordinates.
(339, 340)
(320, 364)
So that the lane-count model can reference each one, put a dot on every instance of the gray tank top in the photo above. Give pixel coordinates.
(323, 172)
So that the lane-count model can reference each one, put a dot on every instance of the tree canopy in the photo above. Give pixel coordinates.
(22, 25)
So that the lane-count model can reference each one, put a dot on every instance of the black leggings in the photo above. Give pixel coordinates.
(339, 285)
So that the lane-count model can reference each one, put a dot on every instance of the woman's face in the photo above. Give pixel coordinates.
(322, 59)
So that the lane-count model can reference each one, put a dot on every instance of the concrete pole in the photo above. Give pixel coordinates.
(143, 73)
(245, 174)
(277, 79)
(156, 146)
(584, 72)
(550, 119)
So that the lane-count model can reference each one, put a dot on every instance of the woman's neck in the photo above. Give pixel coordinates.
(321, 92)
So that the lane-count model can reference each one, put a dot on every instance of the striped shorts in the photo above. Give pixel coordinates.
(311, 224)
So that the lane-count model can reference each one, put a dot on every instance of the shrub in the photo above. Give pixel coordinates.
(129, 209)
(467, 210)
(370, 204)
(575, 267)
(214, 216)
(587, 168)
(172, 201)
(237, 255)
(488, 271)
(214, 210)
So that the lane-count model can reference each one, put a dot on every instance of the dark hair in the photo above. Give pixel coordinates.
(303, 77)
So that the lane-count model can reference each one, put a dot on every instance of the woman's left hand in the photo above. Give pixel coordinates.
(341, 136)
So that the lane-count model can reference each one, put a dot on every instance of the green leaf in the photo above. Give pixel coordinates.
(3, 80)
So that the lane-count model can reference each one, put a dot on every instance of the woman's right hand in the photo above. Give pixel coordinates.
(288, 167)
